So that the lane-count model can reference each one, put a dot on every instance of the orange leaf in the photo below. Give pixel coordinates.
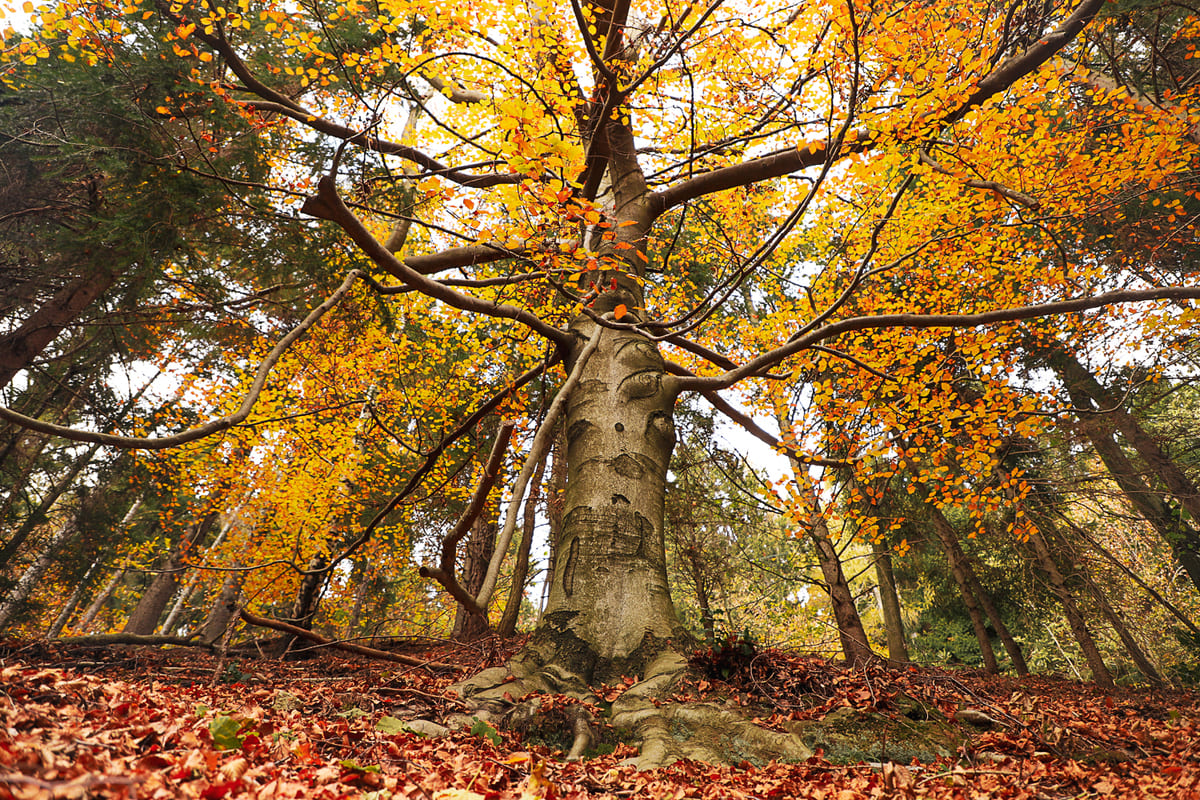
(620, 311)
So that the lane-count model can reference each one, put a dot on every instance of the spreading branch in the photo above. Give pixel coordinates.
(772, 358)
(209, 428)
(793, 159)
(328, 204)
(443, 573)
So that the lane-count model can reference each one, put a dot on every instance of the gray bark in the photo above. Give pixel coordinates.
(35, 572)
(958, 568)
(1102, 412)
(609, 605)
(889, 601)
(100, 600)
(1079, 629)
(64, 614)
(222, 610)
(516, 593)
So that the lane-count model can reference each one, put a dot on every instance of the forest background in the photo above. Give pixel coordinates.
(284, 285)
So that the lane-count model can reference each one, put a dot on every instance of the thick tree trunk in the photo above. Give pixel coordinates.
(610, 609)
(221, 613)
(889, 601)
(19, 348)
(1058, 585)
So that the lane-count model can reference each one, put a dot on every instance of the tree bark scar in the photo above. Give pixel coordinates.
(569, 568)
(628, 466)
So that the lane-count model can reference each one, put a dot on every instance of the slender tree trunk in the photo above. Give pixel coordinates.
(363, 578)
(38, 515)
(1131, 644)
(480, 545)
(184, 598)
(64, 614)
(1058, 585)
(1079, 568)
(29, 580)
(889, 601)
(516, 593)
(1174, 610)
(555, 497)
(1088, 394)
(1183, 540)
(144, 618)
(959, 568)
(308, 598)
(100, 600)
(851, 634)
(21, 346)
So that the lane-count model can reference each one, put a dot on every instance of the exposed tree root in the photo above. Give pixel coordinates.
(664, 730)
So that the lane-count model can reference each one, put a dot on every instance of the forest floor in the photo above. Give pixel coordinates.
(137, 722)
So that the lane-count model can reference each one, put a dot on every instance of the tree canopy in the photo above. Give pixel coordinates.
(408, 268)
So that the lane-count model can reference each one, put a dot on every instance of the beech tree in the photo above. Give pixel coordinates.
(853, 179)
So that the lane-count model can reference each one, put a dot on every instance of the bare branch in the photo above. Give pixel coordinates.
(328, 204)
(316, 638)
(443, 573)
(921, 321)
(209, 428)
(784, 162)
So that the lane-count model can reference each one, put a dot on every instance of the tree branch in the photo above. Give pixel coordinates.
(784, 162)
(443, 573)
(316, 638)
(328, 204)
(921, 321)
(209, 428)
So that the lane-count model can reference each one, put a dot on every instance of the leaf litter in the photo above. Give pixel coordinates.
(122, 722)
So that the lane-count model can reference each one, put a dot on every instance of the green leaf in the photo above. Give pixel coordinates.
(481, 728)
(227, 732)
(391, 725)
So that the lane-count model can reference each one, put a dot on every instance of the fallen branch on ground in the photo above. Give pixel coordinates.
(316, 638)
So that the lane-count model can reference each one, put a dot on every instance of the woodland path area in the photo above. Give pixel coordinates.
(134, 722)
